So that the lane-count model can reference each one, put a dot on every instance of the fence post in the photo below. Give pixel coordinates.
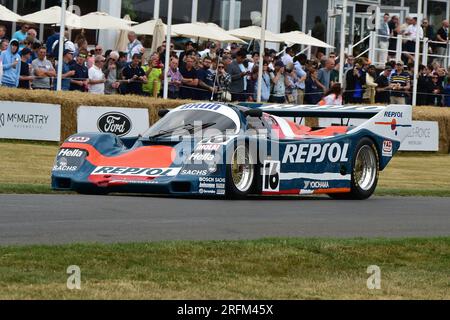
(309, 47)
(425, 52)
(350, 50)
(398, 54)
(372, 44)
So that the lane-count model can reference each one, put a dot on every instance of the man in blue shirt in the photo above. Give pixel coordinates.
(300, 84)
(51, 40)
(206, 79)
(21, 35)
(67, 73)
(81, 76)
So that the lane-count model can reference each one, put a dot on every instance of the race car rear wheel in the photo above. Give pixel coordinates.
(365, 172)
(241, 174)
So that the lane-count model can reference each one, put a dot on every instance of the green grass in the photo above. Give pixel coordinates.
(260, 269)
(27, 167)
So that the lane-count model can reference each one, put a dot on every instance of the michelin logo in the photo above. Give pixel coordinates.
(317, 153)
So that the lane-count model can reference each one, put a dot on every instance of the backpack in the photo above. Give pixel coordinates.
(55, 48)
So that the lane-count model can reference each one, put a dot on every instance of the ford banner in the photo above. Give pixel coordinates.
(123, 122)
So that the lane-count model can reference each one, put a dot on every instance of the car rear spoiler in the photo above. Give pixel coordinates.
(392, 121)
(347, 111)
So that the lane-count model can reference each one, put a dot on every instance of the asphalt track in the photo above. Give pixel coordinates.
(58, 219)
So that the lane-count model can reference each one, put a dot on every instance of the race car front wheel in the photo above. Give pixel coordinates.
(241, 173)
(365, 172)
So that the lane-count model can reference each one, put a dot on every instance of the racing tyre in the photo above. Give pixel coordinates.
(365, 172)
(242, 176)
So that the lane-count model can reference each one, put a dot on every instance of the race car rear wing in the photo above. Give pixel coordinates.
(347, 111)
(391, 121)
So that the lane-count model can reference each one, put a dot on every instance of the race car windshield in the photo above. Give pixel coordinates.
(188, 122)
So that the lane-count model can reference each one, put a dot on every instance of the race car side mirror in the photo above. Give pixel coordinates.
(254, 113)
(162, 112)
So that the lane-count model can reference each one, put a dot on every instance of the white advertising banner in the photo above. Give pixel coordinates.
(124, 122)
(424, 135)
(30, 121)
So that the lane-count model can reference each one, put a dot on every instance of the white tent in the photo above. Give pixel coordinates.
(254, 33)
(298, 37)
(203, 31)
(122, 39)
(53, 16)
(158, 35)
(101, 21)
(8, 15)
(148, 28)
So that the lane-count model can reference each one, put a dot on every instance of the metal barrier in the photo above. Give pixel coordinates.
(373, 51)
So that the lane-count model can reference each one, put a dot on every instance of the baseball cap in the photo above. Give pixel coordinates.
(400, 63)
(279, 63)
(25, 51)
(66, 51)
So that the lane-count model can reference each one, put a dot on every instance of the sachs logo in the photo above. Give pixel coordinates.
(114, 122)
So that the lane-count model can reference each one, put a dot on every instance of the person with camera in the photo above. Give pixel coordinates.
(238, 73)
(292, 81)
(279, 83)
(223, 82)
(134, 75)
(314, 89)
(355, 81)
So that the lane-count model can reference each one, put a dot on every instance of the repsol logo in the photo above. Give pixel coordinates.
(76, 153)
(137, 172)
(392, 114)
(307, 153)
(114, 122)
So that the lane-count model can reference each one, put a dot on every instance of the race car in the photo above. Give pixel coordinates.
(233, 151)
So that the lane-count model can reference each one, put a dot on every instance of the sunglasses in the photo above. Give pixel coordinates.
(221, 67)
(98, 49)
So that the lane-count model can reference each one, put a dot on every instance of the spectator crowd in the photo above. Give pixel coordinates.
(229, 73)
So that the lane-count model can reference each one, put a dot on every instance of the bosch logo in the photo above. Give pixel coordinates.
(114, 122)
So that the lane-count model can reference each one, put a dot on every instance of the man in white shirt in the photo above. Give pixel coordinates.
(384, 33)
(288, 56)
(134, 46)
(96, 77)
(411, 33)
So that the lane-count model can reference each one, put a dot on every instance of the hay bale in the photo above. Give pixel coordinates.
(442, 116)
(70, 101)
